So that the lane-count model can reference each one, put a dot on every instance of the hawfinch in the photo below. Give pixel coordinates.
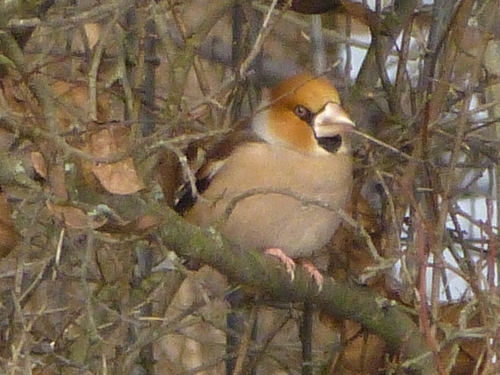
(262, 191)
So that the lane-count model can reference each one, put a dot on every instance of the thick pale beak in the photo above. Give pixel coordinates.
(332, 121)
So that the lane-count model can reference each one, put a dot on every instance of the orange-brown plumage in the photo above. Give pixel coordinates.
(298, 151)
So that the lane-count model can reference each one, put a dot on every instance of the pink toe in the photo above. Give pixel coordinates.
(315, 274)
(289, 263)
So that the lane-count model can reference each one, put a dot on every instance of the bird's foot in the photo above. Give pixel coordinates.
(315, 274)
(289, 263)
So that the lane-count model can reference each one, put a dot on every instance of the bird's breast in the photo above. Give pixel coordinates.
(267, 196)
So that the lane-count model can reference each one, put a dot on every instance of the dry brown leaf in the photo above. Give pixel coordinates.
(39, 163)
(120, 177)
(74, 103)
(147, 222)
(90, 36)
(73, 217)
(8, 233)
(139, 225)
(93, 33)
(74, 92)
(108, 142)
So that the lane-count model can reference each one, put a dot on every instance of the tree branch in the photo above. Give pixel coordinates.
(376, 314)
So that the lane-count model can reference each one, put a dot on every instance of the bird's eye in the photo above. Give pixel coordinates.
(303, 113)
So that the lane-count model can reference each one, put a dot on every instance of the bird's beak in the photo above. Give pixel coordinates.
(332, 120)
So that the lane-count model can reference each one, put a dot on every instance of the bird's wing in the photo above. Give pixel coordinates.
(215, 159)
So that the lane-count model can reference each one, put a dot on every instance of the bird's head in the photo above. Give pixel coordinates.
(304, 113)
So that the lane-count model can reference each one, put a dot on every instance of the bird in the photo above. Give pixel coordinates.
(261, 187)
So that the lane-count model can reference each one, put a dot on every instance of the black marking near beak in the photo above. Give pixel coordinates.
(330, 144)
(330, 125)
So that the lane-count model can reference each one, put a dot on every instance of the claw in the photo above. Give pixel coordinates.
(290, 266)
(315, 274)
(289, 263)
